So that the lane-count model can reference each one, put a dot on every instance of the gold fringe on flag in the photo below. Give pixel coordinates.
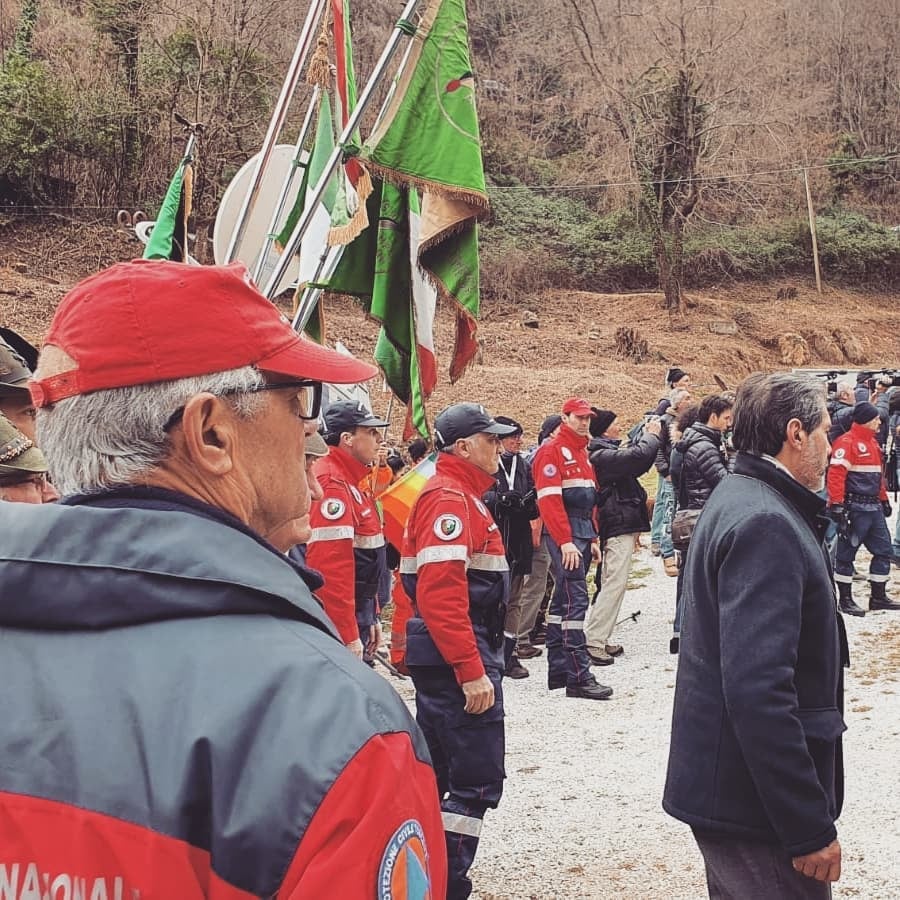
(344, 234)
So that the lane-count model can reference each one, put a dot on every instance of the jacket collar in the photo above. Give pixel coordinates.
(465, 474)
(861, 433)
(811, 506)
(350, 467)
(568, 438)
(712, 433)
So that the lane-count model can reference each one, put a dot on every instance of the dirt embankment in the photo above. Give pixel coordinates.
(613, 349)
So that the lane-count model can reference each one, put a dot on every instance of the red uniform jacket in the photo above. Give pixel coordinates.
(347, 541)
(566, 487)
(856, 466)
(454, 565)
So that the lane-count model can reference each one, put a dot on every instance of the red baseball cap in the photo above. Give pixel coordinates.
(578, 406)
(149, 320)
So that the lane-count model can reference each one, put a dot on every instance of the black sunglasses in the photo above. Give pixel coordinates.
(309, 394)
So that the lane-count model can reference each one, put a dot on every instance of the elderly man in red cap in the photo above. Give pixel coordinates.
(566, 495)
(180, 717)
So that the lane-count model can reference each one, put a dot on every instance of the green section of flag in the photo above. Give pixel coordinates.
(428, 133)
(376, 268)
(315, 166)
(427, 136)
(168, 239)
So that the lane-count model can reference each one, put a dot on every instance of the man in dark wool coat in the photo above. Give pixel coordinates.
(755, 762)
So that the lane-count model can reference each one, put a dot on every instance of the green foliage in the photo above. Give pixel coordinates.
(33, 119)
(537, 240)
(25, 29)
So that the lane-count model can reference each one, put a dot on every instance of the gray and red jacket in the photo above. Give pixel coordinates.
(181, 721)
(566, 487)
(455, 572)
(856, 468)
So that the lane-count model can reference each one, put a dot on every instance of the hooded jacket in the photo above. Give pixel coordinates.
(697, 465)
(180, 719)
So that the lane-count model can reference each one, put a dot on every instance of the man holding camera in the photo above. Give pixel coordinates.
(513, 505)
(858, 502)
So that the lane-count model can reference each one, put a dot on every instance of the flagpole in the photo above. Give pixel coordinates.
(276, 123)
(327, 264)
(286, 186)
(403, 28)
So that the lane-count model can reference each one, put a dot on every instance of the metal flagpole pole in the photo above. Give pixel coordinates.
(310, 27)
(335, 159)
(325, 269)
(286, 186)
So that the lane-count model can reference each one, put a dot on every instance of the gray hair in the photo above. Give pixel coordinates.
(113, 437)
(844, 387)
(676, 395)
(766, 403)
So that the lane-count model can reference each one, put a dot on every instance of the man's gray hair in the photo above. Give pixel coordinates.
(766, 403)
(676, 395)
(844, 387)
(115, 437)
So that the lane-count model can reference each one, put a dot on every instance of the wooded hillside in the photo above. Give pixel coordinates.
(616, 133)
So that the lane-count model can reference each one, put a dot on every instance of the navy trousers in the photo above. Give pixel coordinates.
(467, 752)
(567, 659)
(868, 528)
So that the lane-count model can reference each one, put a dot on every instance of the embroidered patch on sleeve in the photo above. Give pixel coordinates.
(448, 527)
(332, 508)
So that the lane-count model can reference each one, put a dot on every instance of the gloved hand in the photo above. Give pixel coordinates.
(886, 508)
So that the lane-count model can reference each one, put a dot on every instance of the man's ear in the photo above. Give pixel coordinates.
(792, 434)
(209, 434)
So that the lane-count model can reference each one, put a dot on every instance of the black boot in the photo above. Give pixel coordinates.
(845, 600)
(879, 598)
(514, 669)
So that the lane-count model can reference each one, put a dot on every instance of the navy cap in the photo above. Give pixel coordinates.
(865, 412)
(462, 420)
(345, 415)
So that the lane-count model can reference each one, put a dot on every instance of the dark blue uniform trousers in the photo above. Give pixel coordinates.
(867, 527)
(467, 752)
(567, 659)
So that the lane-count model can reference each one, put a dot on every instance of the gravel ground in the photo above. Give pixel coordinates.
(581, 815)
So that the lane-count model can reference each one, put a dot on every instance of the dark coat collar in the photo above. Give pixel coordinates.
(811, 506)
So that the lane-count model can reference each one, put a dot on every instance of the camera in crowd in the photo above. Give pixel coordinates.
(887, 377)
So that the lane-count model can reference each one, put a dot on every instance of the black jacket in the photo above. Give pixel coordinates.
(664, 452)
(702, 466)
(621, 501)
(757, 719)
(513, 506)
(841, 420)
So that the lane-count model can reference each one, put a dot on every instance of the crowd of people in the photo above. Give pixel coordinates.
(195, 568)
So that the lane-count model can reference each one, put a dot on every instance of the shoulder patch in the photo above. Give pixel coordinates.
(357, 496)
(840, 453)
(448, 527)
(332, 508)
(403, 872)
(549, 470)
(862, 447)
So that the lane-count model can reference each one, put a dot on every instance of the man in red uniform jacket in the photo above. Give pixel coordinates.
(566, 495)
(455, 572)
(858, 502)
(347, 542)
